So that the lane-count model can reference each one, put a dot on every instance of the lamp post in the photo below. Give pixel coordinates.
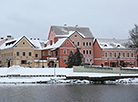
(108, 61)
(54, 70)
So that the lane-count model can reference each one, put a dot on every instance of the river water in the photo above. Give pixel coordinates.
(68, 93)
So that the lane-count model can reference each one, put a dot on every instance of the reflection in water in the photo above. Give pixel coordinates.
(69, 93)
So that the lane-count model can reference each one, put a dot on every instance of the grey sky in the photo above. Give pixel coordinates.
(105, 18)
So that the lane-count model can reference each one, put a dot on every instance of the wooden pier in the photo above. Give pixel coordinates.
(99, 79)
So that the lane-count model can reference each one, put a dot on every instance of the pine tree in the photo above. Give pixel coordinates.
(77, 58)
(70, 60)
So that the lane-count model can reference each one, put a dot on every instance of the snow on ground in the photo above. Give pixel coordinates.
(16, 70)
(35, 71)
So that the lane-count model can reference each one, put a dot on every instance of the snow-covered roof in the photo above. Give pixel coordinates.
(64, 31)
(39, 43)
(112, 43)
(4, 46)
(56, 45)
(12, 43)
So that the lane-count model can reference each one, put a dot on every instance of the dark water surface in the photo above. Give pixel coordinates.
(68, 93)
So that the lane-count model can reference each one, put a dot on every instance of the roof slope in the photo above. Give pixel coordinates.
(12, 43)
(65, 30)
(57, 44)
(112, 43)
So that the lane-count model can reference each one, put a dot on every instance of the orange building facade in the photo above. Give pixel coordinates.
(112, 53)
(58, 52)
(80, 36)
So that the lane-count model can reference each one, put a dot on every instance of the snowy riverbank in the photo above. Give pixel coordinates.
(50, 75)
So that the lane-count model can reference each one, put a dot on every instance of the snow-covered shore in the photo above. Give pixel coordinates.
(16, 70)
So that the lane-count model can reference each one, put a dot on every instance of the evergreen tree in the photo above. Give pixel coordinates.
(77, 58)
(70, 60)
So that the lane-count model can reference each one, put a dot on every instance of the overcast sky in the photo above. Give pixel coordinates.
(33, 18)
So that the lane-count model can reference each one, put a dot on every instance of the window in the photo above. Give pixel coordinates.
(56, 53)
(36, 55)
(83, 59)
(86, 43)
(65, 61)
(83, 51)
(52, 54)
(87, 59)
(106, 54)
(119, 54)
(90, 52)
(65, 51)
(23, 42)
(49, 53)
(83, 43)
(105, 45)
(132, 54)
(132, 63)
(71, 51)
(23, 61)
(75, 35)
(127, 54)
(110, 54)
(30, 54)
(114, 54)
(118, 45)
(78, 43)
(106, 63)
(89, 43)
(123, 54)
(23, 53)
(17, 54)
(67, 43)
(43, 53)
(86, 51)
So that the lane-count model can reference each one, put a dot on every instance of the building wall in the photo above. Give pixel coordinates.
(88, 47)
(6, 55)
(19, 59)
(97, 53)
(66, 47)
(114, 61)
(131, 60)
(51, 36)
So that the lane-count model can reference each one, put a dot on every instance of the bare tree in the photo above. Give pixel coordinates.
(134, 37)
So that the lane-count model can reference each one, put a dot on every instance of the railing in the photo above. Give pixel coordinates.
(98, 67)
(12, 75)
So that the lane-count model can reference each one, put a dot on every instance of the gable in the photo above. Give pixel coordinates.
(96, 44)
(51, 35)
(68, 43)
(76, 35)
(24, 42)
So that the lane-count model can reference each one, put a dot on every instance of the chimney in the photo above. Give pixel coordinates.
(76, 25)
(65, 25)
(51, 42)
(2, 38)
(45, 45)
(8, 36)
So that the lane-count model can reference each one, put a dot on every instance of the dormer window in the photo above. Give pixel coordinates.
(23, 42)
(105, 45)
(118, 45)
